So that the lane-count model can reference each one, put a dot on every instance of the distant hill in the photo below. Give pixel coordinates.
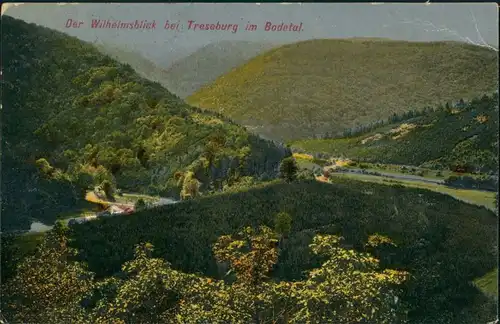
(75, 116)
(190, 73)
(464, 137)
(309, 88)
(144, 67)
(209, 62)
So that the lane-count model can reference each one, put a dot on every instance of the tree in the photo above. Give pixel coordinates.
(347, 288)
(381, 247)
(44, 166)
(190, 186)
(49, 285)
(283, 223)
(251, 255)
(149, 294)
(108, 189)
(282, 226)
(447, 107)
(84, 180)
(140, 204)
(305, 174)
(288, 169)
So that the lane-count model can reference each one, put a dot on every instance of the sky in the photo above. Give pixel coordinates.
(472, 23)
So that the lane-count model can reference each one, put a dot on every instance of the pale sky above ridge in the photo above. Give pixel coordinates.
(471, 23)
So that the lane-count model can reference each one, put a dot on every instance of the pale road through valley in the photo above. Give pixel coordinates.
(388, 175)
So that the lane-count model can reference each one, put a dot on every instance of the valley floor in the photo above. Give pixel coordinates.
(474, 197)
(95, 205)
(387, 174)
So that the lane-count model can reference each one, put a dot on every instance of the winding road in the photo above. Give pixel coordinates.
(387, 175)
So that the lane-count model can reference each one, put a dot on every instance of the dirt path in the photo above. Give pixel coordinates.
(390, 175)
(93, 198)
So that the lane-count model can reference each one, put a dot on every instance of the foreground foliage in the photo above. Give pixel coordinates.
(349, 287)
(47, 286)
(442, 242)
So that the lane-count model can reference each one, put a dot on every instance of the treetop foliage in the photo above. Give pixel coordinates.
(349, 287)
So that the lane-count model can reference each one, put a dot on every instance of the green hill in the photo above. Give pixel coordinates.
(464, 137)
(75, 115)
(206, 64)
(314, 87)
(443, 242)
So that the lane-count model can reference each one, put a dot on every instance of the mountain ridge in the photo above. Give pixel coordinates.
(211, 61)
(308, 88)
(143, 66)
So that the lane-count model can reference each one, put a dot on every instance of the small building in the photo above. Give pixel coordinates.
(113, 209)
(128, 210)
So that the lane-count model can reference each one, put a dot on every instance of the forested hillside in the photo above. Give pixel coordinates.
(310, 88)
(206, 64)
(81, 117)
(186, 75)
(441, 243)
(447, 137)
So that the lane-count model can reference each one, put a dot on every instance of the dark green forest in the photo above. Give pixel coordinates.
(253, 239)
(94, 119)
(441, 242)
(443, 137)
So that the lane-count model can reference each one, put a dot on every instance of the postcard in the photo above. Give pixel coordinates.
(249, 163)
